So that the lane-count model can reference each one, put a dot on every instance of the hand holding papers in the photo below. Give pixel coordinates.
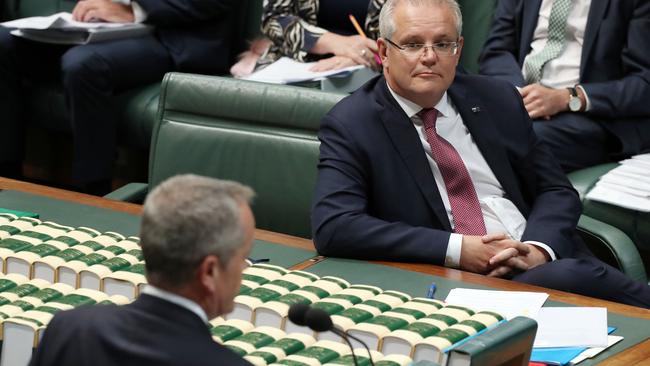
(286, 71)
(62, 29)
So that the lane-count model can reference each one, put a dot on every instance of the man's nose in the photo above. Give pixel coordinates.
(428, 55)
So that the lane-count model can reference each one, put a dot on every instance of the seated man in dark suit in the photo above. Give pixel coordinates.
(583, 70)
(425, 165)
(189, 35)
(196, 234)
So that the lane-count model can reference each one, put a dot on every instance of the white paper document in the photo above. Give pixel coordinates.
(627, 185)
(58, 21)
(594, 351)
(508, 303)
(287, 70)
(571, 327)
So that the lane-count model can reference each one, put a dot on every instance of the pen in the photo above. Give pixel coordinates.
(431, 291)
(362, 34)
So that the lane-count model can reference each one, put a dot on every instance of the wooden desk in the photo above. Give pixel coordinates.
(636, 355)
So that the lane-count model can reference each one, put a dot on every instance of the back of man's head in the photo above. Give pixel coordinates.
(187, 218)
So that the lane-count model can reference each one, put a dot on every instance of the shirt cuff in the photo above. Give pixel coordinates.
(138, 13)
(452, 257)
(587, 101)
(546, 248)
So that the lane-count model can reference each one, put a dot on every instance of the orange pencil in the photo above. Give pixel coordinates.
(362, 34)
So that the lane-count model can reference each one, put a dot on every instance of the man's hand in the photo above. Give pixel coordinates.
(102, 10)
(477, 251)
(509, 260)
(543, 102)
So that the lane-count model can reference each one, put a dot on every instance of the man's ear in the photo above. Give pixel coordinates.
(382, 49)
(208, 272)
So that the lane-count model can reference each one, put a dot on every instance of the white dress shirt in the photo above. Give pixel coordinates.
(176, 299)
(499, 213)
(563, 71)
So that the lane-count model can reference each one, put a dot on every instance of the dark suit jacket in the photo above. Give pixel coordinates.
(615, 67)
(376, 196)
(197, 33)
(149, 331)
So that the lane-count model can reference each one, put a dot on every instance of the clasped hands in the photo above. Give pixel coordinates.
(102, 10)
(497, 255)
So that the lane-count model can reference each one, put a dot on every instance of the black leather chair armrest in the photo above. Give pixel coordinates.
(132, 192)
(612, 246)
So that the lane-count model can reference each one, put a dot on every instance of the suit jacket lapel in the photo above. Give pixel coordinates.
(478, 119)
(406, 141)
(529, 23)
(596, 14)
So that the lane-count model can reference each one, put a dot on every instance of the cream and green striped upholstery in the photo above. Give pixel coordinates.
(278, 350)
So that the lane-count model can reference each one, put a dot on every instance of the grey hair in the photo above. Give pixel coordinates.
(187, 218)
(387, 21)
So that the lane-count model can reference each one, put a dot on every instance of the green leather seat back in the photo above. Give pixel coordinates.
(262, 135)
(477, 20)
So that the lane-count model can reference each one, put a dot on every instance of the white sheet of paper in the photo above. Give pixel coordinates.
(594, 351)
(571, 327)
(616, 197)
(58, 20)
(508, 303)
(287, 70)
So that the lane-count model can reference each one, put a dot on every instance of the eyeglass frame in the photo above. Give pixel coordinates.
(423, 46)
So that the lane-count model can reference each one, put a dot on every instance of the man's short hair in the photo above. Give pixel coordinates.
(387, 21)
(187, 218)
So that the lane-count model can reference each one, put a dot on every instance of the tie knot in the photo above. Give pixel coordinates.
(429, 117)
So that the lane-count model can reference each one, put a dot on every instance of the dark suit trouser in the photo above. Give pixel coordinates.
(576, 140)
(588, 276)
(90, 75)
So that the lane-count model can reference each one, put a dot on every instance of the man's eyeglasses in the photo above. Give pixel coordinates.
(415, 49)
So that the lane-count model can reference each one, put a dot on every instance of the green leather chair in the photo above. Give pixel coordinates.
(477, 20)
(636, 225)
(262, 135)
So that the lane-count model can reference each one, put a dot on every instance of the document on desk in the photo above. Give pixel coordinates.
(60, 28)
(571, 327)
(287, 71)
(508, 303)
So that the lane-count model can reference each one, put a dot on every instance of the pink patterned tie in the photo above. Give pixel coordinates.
(465, 208)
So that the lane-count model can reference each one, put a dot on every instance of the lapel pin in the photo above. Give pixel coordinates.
(476, 109)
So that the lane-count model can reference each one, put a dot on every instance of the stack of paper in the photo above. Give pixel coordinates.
(627, 185)
(62, 29)
(286, 71)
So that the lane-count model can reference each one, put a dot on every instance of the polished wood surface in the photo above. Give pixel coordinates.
(637, 355)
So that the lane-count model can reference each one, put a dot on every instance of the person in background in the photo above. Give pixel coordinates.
(426, 165)
(196, 234)
(188, 35)
(583, 70)
(320, 30)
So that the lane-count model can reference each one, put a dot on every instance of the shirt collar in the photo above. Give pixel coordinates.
(176, 299)
(411, 108)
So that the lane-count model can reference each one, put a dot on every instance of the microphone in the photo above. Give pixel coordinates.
(320, 321)
(297, 314)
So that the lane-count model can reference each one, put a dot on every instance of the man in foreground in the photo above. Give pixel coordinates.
(424, 165)
(196, 234)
